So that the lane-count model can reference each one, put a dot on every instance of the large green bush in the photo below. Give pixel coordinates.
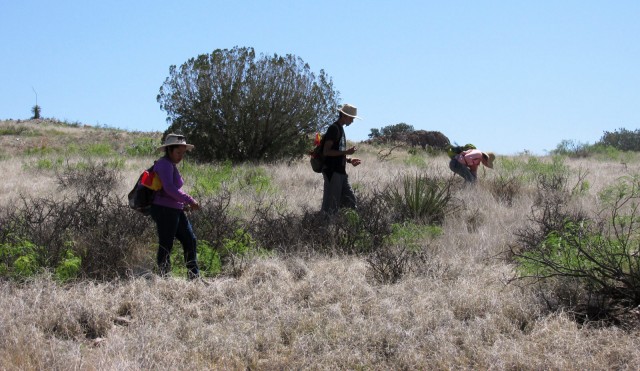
(235, 106)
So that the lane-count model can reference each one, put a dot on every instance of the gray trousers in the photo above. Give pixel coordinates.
(337, 193)
(461, 170)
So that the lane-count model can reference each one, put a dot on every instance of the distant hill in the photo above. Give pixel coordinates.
(48, 135)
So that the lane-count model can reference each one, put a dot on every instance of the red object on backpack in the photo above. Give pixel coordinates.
(150, 180)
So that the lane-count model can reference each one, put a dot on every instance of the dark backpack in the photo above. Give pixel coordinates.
(141, 197)
(317, 158)
(452, 150)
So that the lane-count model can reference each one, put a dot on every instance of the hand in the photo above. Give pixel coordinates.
(350, 151)
(355, 161)
(193, 207)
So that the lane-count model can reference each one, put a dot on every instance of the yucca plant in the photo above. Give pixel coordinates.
(36, 111)
(422, 198)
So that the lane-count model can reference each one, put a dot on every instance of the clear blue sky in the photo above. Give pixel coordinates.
(505, 75)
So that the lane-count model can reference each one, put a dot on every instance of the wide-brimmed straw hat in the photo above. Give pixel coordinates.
(175, 140)
(350, 111)
(488, 158)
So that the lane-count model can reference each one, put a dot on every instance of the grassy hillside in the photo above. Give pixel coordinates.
(292, 301)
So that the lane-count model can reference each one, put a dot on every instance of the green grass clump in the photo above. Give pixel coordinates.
(531, 168)
(210, 179)
(207, 180)
(410, 234)
(142, 147)
(416, 159)
(99, 149)
(18, 130)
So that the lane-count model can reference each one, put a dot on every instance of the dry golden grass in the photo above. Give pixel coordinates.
(320, 313)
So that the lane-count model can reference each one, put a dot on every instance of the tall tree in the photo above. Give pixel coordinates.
(234, 106)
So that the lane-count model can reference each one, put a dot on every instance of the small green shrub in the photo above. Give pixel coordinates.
(238, 250)
(19, 258)
(591, 264)
(25, 266)
(209, 180)
(209, 260)
(69, 268)
(44, 164)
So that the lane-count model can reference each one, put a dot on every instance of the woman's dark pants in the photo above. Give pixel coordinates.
(173, 223)
(462, 170)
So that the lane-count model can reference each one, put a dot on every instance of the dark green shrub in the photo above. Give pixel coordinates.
(622, 139)
(234, 105)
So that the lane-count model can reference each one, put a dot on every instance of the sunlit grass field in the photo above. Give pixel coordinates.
(304, 309)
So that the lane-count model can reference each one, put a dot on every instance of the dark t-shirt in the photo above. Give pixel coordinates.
(336, 164)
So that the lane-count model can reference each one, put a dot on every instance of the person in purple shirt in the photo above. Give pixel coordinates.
(168, 207)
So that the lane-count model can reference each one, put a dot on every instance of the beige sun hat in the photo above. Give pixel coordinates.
(488, 158)
(350, 111)
(175, 140)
